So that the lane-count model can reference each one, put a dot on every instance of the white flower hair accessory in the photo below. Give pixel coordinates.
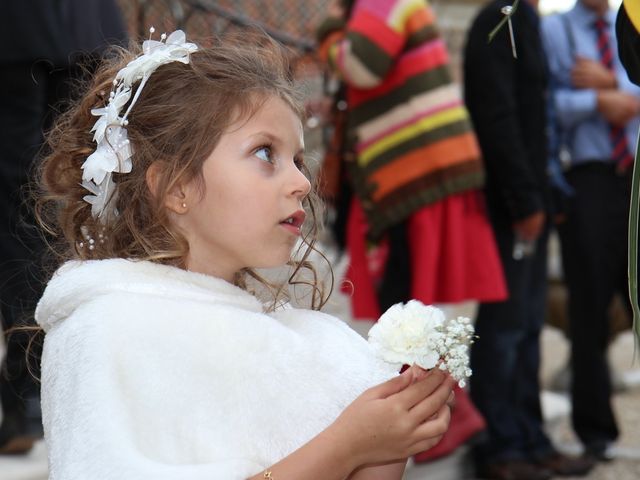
(417, 333)
(113, 152)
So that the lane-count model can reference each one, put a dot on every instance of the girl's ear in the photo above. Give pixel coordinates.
(175, 199)
(152, 177)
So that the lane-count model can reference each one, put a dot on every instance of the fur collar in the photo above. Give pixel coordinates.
(77, 282)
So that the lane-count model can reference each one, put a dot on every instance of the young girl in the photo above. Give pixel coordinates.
(158, 363)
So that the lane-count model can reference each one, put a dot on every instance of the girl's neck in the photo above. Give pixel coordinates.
(217, 271)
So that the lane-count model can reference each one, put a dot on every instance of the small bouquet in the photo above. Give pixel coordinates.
(418, 333)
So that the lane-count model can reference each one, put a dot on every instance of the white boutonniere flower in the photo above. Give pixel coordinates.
(415, 333)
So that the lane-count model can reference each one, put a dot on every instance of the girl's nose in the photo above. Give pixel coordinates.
(300, 184)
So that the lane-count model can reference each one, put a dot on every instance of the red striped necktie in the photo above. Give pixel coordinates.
(621, 153)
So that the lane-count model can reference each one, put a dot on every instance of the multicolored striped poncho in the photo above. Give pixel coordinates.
(408, 126)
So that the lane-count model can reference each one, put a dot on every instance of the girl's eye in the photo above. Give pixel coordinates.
(264, 153)
(299, 161)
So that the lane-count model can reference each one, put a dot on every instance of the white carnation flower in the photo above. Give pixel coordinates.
(418, 334)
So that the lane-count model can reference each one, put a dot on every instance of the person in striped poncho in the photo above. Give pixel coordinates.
(416, 174)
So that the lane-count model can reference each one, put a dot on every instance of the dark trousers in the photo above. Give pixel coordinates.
(29, 94)
(505, 358)
(594, 253)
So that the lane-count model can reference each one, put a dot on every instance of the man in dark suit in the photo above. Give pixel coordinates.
(598, 113)
(506, 98)
(42, 42)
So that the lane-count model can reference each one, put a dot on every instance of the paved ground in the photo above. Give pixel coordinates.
(456, 467)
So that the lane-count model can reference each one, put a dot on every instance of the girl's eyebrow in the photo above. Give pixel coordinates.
(273, 138)
(267, 134)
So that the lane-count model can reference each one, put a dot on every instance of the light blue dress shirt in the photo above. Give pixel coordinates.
(586, 132)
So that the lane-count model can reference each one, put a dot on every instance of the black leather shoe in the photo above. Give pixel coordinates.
(599, 454)
(567, 466)
(513, 470)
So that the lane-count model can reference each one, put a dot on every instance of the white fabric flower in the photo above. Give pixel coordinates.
(112, 155)
(110, 115)
(418, 334)
(103, 195)
(174, 49)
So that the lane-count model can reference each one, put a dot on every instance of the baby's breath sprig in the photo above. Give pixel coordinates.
(453, 347)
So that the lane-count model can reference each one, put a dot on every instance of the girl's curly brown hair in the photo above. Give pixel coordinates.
(177, 122)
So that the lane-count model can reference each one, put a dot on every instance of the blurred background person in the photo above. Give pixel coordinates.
(417, 226)
(596, 109)
(627, 28)
(44, 41)
(506, 98)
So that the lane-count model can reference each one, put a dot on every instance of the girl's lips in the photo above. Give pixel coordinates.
(291, 228)
(293, 223)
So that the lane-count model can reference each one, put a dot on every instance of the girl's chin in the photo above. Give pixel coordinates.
(280, 258)
(274, 263)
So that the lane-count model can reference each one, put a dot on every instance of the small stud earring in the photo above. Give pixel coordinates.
(184, 205)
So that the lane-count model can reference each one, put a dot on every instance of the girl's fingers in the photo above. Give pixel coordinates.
(414, 394)
(432, 404)
(424, 445)
(430, 433)
(451, 401)
(437, 426)
(395, 385)
(419, 373)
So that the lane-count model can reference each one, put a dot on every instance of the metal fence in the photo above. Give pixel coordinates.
(292, 22)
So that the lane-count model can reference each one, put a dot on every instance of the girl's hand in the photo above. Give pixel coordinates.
(396, 419)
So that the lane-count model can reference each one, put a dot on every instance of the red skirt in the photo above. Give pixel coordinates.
(454, 257)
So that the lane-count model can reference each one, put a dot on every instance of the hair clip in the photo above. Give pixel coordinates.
(113, 152)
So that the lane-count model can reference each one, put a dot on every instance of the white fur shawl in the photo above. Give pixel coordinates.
(152, 372)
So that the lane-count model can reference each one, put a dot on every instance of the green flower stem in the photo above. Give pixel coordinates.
(634, 212)
(506, 18)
